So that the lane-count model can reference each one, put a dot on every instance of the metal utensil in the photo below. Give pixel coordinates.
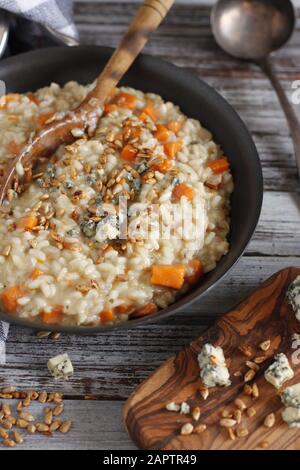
(4, 29)
(60, 37)
(251, 30)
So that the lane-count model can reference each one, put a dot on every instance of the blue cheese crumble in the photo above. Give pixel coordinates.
(290, 397)
(293, 295)
(280, 371)
(60, 366)
(291, 416)
(213, 369)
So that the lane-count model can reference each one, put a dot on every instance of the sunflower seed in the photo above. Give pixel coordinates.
(55, 425)
(186, 429)
(6, 409)
(249, 375)
(264, 444)
(204, 392)
(255, 391)
(200, 428)
(237, 416)
(57, 397)
(27, 401)
(9, 443)
(27, 416)
(34, 395)
(19, 406)
(226, 414)
(48, 417)
(252, 365)
(196, 413)
(43, 334)
(231, 434)
(227, 422)
(31, 428)
(265, 345)
(55, 335)
(21, 423)
(65, 427)
(42, 427)
(58, 410)
(43, 397)
(8, 390)
(6, 424)
(251, 412)
(11, 419)
(269, 420)
(260, 359)
(240, 404)
(3, 433)
(18, 437)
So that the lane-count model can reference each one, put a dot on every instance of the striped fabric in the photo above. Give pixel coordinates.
(3, 336)
(56, 14)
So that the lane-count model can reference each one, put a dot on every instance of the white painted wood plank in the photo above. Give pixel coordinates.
(97, 425)
(278, 231)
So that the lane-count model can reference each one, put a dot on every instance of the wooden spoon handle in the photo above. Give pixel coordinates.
(147, 19)
(48, 139)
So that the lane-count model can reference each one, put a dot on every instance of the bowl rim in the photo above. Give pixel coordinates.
(186, 299)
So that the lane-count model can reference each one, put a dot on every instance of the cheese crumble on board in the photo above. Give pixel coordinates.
(280, 371)
(213, 369)
(290, 397)
(293, 295)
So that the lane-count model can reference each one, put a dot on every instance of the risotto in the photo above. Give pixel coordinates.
(96, 234)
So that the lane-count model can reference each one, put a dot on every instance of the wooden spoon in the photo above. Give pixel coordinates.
(87, 114)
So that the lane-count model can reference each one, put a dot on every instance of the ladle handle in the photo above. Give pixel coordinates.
(291, 116)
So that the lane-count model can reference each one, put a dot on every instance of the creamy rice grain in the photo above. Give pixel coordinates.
(63, 255)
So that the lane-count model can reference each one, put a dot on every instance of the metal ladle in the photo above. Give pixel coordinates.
(251, 30)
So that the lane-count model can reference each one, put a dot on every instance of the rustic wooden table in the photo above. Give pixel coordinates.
(111, 366)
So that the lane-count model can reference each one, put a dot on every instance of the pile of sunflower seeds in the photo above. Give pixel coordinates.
(22, 419)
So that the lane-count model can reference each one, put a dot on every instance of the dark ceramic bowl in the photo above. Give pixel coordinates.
(32, 70)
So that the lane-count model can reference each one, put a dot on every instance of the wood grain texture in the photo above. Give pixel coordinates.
(95, 426)
(264, 315)
(111, 367)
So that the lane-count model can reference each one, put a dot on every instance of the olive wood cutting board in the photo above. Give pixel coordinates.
(264, 315)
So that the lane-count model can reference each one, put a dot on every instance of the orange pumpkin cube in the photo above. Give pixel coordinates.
(125, 100)
(164, 166)
(183, 189)
(53, 317)
(219, 166)
(28, 222)
(168, 275)
(9, 298)
(109, 108)
(162, 133)
(106, 316)
(172, 148)
(174, 126)
(128, 153)
(148, 111)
